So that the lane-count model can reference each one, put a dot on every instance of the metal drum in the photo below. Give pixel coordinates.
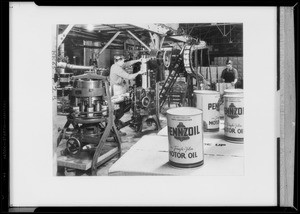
(228, 91)
(207, 101)
(234, 118)
(87, 88)
(185, 136)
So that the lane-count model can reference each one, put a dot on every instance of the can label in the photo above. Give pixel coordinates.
(210, 107)
(185, 139)
(234, 118)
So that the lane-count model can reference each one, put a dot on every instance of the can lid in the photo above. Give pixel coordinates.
(234, 95)
(205, 92)
(234, 91)
(185, 111)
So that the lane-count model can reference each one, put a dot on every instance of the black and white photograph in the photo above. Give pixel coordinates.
(113, 106)
(148, 99)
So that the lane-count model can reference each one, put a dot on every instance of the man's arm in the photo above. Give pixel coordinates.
(235, 77)
(129, 63)
(122, 73)
(222, 75)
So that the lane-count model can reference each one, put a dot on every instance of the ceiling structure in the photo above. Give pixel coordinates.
(104, 32)
(223, 38)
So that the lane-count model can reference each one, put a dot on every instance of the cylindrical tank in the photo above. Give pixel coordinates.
(234, 118)
(87, 88)
(185, 137)
(207, 101)
(226, 92)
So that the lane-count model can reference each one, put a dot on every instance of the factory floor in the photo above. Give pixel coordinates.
(128, 141)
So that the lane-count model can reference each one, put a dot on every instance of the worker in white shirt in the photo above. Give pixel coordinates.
(118, 74)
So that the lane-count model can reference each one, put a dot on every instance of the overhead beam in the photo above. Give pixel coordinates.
(223, 34)
(140, 41)
(61, 37)
(231, 28)
(109, 42)
(162, 30)
(182, 38)
(155, 28)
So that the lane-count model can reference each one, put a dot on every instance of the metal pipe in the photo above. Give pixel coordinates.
(97, 106)
(82, 106)
(70, 66)
(62, 36)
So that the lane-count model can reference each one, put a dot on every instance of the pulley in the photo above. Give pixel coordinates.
(145, 101)
(73, 146)
(167, 58)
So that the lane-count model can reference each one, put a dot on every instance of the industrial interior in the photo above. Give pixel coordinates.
(99, 131)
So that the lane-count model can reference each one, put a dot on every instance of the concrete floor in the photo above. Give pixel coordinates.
(128, 141)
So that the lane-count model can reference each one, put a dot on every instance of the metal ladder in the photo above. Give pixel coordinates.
(168, 84)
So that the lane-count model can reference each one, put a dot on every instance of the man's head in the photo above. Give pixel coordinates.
(119, 59)
(229, 64)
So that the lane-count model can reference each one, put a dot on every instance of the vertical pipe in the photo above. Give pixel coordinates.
(90, 102)
(97, 106)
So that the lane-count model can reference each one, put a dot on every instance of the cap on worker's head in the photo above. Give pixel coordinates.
(118, 57)
(228, 62)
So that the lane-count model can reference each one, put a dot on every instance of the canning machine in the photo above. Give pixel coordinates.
(142, 99)
(90, 122)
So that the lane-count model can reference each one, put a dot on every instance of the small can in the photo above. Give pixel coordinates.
(208, 102)
(229, 92)
(104, 108)
(185, 135)
(76, 109)
(90, 109)
(234, 118)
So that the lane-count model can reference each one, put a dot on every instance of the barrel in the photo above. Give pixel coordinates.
(185, 135)
(87, 88)
(208, 102)
(229, 91)
(234, 118)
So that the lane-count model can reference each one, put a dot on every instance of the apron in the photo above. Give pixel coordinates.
(118, 89)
